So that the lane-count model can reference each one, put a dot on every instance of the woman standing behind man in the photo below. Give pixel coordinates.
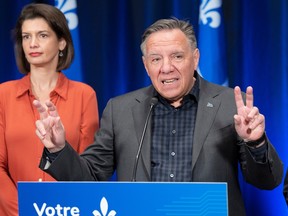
(43, 48)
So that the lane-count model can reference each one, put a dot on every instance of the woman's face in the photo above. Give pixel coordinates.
(40, 44)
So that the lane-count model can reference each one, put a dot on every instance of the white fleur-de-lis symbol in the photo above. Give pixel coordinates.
(208, 13)
(66, 6)
(104, 209)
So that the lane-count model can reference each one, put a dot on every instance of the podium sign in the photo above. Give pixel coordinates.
(122, 198)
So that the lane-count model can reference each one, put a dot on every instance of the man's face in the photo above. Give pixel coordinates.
(170, 62)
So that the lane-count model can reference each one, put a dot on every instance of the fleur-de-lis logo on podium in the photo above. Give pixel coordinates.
(68, 8)
(208, 12)
(104, 209)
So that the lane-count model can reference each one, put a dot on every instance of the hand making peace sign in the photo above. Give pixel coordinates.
(249, 123)
(49, 127)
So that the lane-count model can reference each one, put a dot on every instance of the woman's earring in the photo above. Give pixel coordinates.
(60, 53)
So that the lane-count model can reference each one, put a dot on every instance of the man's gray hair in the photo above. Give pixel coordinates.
(170, 24)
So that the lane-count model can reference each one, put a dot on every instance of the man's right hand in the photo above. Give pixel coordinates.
(49, 127)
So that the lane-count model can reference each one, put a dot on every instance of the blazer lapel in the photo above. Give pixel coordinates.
(140, 112)
(206, 113)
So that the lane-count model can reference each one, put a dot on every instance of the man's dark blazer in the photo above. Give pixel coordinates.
(285, 189)
(216, 150)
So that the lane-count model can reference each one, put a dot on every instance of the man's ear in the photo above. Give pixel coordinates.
(145, 64)
(196, 57)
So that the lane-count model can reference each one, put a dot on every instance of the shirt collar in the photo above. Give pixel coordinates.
(61, 87)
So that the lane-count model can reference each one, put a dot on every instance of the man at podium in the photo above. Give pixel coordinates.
(182, 128)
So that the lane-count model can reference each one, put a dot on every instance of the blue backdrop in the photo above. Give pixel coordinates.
(256, 53)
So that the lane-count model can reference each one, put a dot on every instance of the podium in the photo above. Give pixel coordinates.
(122, 198)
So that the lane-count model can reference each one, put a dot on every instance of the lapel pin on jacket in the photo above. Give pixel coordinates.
(209, 104)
